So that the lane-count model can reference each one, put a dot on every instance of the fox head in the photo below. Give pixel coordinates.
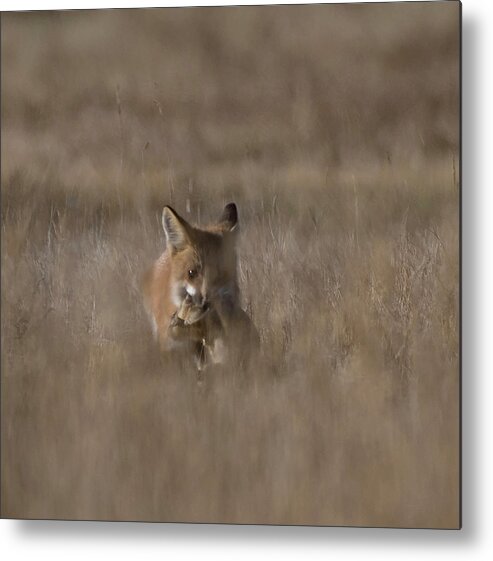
(203, 261)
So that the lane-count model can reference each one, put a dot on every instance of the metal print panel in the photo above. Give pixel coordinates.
(230, 265)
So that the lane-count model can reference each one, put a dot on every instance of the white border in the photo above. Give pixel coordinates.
(61, 540)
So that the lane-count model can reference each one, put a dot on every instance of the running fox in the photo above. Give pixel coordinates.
(191, 292)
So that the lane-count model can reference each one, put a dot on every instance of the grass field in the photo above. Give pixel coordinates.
(335, 130)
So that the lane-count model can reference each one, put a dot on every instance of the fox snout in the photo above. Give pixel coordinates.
(193, 309)
(196, 303)
(197, 298)
(207, 294)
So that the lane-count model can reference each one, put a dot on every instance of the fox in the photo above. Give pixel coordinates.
(191, 292)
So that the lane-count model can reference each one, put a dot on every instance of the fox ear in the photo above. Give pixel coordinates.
(175, 228)
(229, 218)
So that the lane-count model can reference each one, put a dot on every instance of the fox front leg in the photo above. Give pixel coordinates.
(200, 359)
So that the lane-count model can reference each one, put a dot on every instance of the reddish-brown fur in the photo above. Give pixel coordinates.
(191, 291)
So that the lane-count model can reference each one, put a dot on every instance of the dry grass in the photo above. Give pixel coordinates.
(335, 130)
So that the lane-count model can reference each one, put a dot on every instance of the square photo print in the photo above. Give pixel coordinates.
(230, 269)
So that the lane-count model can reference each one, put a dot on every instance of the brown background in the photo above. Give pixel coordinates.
(335, 130)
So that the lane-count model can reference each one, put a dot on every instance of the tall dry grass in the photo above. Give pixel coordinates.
(335, 130)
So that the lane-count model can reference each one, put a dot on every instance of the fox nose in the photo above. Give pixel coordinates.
(205, 305)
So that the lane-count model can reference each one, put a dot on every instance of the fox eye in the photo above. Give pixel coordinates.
(192, 273)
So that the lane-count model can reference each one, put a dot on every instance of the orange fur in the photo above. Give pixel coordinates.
(191, 291)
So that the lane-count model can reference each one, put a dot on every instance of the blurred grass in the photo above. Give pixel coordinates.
(335, 129)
